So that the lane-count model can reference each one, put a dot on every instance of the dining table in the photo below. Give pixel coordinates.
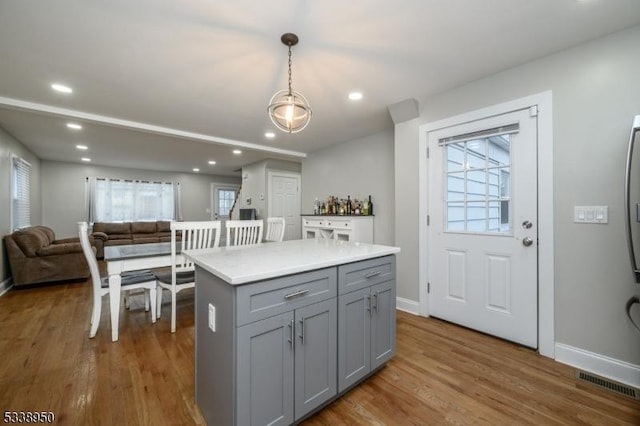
(132, 257)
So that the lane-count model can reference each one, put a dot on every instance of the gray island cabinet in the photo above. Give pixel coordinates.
(282, 329)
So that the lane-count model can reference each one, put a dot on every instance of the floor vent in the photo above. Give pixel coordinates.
(608, 384)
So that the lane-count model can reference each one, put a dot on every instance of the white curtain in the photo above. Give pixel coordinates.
(119, 200)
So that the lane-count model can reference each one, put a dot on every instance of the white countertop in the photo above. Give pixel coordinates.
(240, 265)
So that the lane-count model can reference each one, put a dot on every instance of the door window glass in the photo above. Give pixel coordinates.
(478, 183)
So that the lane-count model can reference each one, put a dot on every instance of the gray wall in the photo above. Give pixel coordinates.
(10, 147)
(255, 183)
(361, 167)
(63, 192)
(596, 93)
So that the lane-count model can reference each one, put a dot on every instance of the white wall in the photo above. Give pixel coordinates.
(361, 167)
(596, 93)
(255, 183)
(63, 192)
(10, 147)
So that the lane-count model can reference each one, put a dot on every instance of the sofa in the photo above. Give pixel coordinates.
(35, 257)
(114, 234)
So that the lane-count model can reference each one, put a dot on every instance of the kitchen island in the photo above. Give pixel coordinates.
(282, 329)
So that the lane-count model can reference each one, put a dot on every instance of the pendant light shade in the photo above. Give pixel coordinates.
(289, 110)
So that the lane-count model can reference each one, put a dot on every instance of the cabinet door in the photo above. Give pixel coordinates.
(315, 355)
(354, 324)
(383, 323)
(265, 371)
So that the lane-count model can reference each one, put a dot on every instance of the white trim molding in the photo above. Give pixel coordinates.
(611, 368)
(406, 305)
(544, 103)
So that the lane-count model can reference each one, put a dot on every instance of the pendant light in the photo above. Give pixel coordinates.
(288, 109)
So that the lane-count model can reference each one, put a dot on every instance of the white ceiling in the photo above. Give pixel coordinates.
(168, 85)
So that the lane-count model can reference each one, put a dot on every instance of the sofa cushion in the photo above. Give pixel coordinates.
(145, 239)
(30, 240)
(113, 229)
(163, 226)
(143, 228)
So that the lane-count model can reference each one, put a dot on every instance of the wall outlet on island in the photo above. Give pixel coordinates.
(212, 317)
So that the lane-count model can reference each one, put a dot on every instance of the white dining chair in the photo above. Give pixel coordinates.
(244, 232)
(194, 236)
(275, 229)
(130, 281)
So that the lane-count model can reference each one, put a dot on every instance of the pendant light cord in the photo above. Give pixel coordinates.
(289, 69)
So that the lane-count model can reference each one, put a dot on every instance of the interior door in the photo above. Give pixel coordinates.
(483, 225)
(284, 201)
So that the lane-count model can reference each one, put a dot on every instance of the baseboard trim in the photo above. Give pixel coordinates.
(407, 305)
(5, 285)
(610, 368)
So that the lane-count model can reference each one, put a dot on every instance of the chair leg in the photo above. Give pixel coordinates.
(158, 301)
(173, 311)
(126, 300)
(146, 300)
(95, 316)
(152, 299)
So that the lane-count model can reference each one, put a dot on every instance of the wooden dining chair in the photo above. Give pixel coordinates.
(244, 232)
(194, 236)
(130, 281)
(275, 229)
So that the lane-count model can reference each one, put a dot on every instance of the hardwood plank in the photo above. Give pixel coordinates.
(442, 373)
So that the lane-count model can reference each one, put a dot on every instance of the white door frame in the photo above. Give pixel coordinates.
(214, 188)
(543, 101)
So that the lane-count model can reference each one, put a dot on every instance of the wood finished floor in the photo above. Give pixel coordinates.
(442, 374)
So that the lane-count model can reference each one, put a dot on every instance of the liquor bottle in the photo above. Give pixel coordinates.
(348, 204)
(370, 206)
(365, 208)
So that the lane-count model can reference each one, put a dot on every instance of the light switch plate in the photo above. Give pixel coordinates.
(591, 214)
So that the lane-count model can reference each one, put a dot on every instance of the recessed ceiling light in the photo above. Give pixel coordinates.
(212, 162)
(86, 159)
(74, 126)
(61, 88)
(195, 169)
(82, 147)
(269, 135)
(355, 96)
(237, 151)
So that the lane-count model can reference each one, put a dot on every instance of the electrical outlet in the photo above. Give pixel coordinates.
(212, 317)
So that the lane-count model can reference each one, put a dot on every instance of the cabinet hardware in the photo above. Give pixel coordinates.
(375, 306)
(368, 304)
(291, 333)
(302, 331)
(296, 294)
(372, 274)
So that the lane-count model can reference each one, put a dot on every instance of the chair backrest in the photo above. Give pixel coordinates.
(275, 229)
(194, 236)
(244, 232)
(90, 256)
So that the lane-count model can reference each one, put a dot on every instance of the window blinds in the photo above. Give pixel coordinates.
(21, 194)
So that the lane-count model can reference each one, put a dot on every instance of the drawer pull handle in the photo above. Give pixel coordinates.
(295, 294)
(372, 274)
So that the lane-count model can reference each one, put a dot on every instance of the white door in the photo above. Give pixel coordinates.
(284, 201)
(223, 197)
(483, 225)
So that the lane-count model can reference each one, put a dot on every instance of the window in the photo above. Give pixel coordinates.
(477, 180)
(115, 200)
(226, 198)
(20, 194)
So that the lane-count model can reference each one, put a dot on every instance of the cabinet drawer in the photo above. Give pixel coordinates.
(272, 297)
(316, 223)
(355, 276)
(338, 224)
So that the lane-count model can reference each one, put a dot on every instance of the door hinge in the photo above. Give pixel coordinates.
(533, 111)
(428, 220)
(427, 152)
(428, 288)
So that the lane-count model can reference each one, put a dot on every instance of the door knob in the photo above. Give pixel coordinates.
(526, 241)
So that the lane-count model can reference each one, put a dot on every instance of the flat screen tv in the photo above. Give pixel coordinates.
(247, 214)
